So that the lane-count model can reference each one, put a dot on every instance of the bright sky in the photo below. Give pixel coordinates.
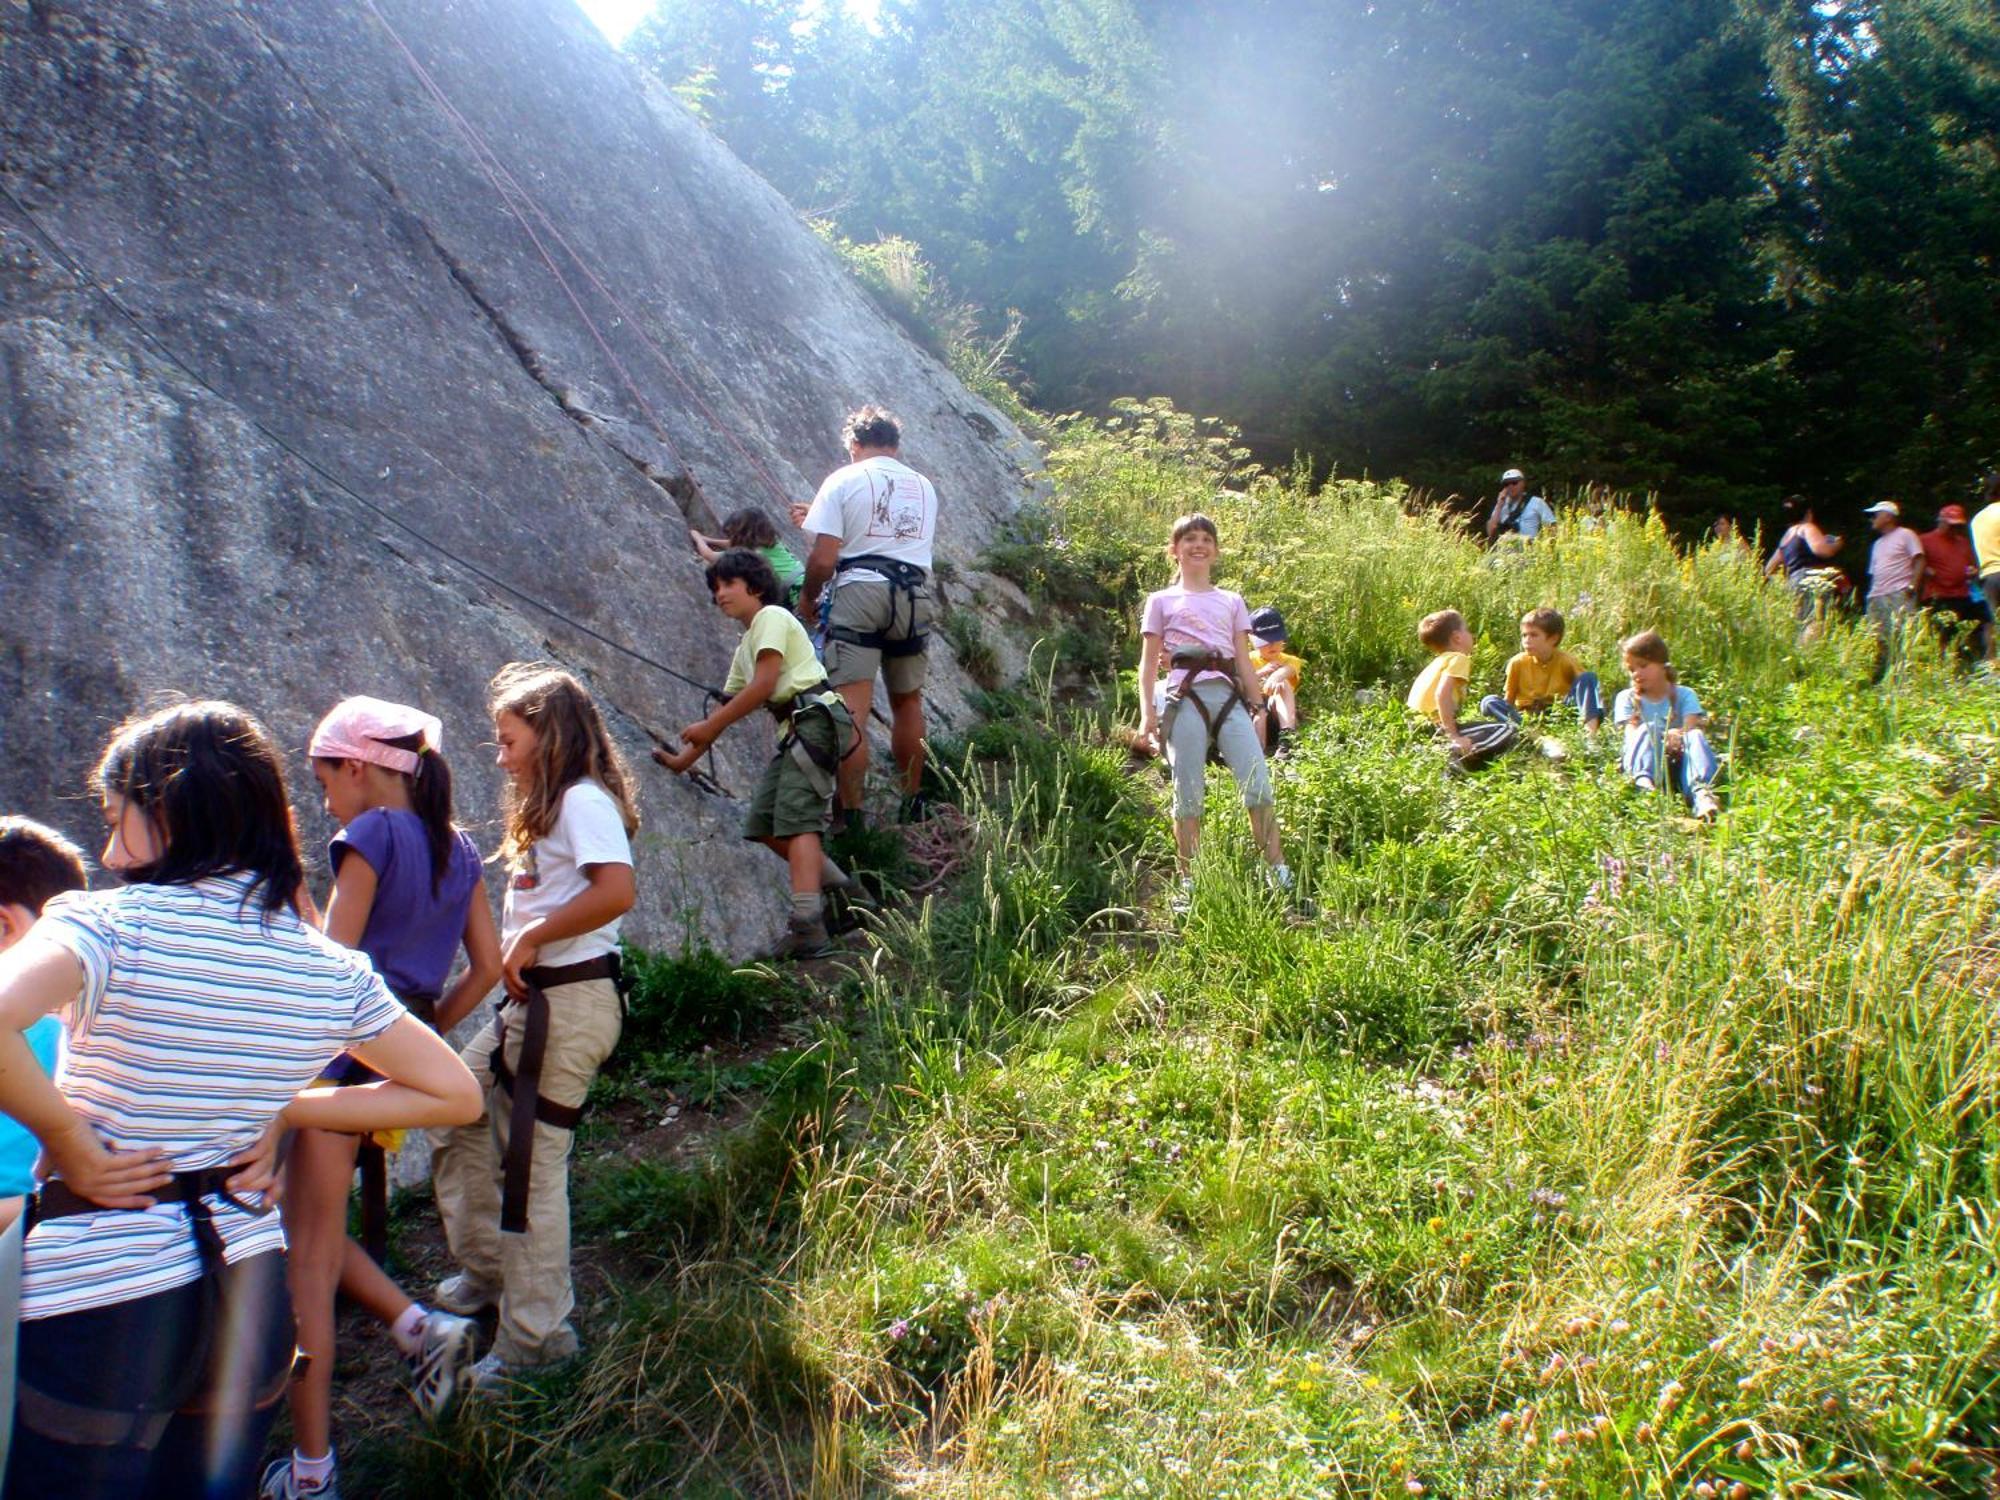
(617, 18)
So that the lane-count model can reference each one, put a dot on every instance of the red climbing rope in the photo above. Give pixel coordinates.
(514, 196)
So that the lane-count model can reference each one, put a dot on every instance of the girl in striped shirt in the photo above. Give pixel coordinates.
(407, 892)
(155, 1332)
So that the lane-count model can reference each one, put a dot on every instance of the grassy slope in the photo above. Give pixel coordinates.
(1564, 1146)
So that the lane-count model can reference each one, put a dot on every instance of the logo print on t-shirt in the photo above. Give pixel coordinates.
(528, 876)
(898, 510)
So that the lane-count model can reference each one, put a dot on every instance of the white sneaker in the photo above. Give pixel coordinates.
(438, 1368)
(1182, 901)
(281, 1483)
(1279, 876)
(1643, 783)
(490, 1377)
(1554, 749)
(1705, 806)
(465, 1294)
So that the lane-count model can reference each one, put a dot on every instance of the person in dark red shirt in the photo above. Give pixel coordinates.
(1950, 574)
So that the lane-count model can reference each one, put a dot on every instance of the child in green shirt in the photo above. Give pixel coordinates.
(774, 668)
(752, 530)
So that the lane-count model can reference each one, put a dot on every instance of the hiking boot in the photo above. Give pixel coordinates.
(281, 1483)
(438, 1368)
(1705, 806)
(805, 937)
(465, 1294)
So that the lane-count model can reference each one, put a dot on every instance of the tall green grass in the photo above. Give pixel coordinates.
(1557, 1145)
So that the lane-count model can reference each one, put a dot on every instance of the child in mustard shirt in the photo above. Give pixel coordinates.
(1543, 675)
(1279, 671)
(1440, 689)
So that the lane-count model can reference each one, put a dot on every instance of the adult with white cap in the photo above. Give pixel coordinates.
(1895, 568)
(1515, 511)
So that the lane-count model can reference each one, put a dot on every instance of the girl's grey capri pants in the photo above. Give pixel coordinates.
(1236, 738)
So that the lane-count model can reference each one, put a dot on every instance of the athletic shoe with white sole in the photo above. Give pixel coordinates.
(1705, 806)
(444, 1356)
(281, 1483)
(465, 1295)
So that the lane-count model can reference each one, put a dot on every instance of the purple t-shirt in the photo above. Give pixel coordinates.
(413, 931)
(1211, 619)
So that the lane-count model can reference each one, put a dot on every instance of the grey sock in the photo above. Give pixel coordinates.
(806, 907)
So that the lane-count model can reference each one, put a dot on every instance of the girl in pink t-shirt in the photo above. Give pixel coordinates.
(1196, 687)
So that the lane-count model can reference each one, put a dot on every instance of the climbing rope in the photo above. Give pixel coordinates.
(89, 281)
(510, 192)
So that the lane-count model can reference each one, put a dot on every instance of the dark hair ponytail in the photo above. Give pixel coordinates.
(208, 778)
(430, 800)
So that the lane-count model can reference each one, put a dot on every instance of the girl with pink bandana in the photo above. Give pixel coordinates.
(407, 892)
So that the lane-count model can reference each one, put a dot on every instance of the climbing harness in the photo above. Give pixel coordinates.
(522, 1085)
(907, 582)
(1190, 661)
(77, 1423)
(820, 768)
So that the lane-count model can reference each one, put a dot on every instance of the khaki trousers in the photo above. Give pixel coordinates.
(530, 1271)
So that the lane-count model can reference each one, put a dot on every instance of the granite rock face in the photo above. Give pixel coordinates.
(456, 257)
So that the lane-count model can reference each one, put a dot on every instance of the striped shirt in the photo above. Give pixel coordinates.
(198, 1020)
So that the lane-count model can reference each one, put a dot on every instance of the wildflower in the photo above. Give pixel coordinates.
(1434, 1224)
(899, 1330)
(1413, 1486)
(1643, 1433)
(1618, 1327)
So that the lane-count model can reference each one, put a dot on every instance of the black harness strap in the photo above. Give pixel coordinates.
(818, 698)
(523, 1089)
(1183, 692)
(905, 580)
(96, 1426)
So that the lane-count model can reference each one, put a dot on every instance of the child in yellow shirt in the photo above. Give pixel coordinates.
(1279, 671)
(1544, 674)
(1440, 689)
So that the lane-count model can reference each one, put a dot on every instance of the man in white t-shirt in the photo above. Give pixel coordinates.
(872, 524)
(1516, 512)
(1895, 569)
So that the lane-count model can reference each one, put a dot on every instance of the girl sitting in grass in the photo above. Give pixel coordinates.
(1665, 738)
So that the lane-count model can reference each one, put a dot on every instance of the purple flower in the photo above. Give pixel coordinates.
(899, 1330)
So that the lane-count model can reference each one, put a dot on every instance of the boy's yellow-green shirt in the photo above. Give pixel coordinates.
(1534, 685)
(1423, 697)
(776, 628)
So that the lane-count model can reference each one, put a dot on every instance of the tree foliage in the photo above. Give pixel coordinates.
(1715, 248)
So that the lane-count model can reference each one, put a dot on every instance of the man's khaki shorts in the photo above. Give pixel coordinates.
(863, 604)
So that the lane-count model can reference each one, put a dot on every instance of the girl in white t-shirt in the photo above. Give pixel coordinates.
(155, 1331)
(503, 1184)
(1197, 684)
